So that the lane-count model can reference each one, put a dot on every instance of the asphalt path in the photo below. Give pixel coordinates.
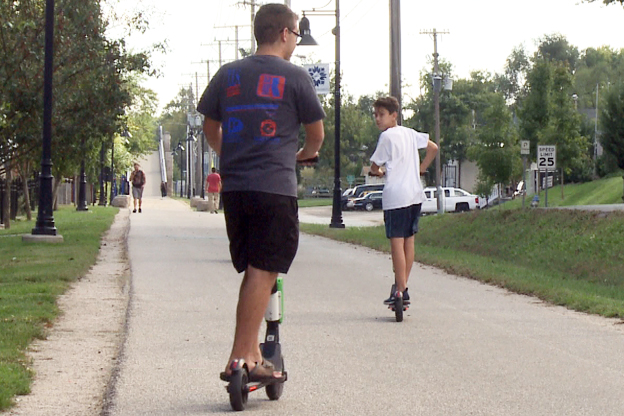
(464, 348)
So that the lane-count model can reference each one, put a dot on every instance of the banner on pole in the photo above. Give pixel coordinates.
(320, 77)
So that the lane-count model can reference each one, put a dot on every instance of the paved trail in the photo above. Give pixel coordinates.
(464, 348)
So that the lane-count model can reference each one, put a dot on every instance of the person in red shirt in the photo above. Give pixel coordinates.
(213, 187)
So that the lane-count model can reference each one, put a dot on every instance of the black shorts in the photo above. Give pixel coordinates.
(402, 222)
(263, 230)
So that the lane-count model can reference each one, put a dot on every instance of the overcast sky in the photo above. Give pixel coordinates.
(482, 34)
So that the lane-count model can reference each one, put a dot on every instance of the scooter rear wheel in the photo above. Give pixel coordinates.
(274, 391)
(238, 389)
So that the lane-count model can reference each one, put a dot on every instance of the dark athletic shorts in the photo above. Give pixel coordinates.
(137, 192)
(402, 222)
(263, 230)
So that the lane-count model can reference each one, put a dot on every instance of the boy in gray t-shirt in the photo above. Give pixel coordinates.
(253, 110)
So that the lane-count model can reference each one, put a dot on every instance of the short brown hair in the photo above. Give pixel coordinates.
(389, 103)
(270, 20)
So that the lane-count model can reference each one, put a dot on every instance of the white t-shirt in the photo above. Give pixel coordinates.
(397, 149)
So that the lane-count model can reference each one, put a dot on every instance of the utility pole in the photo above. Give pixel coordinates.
(437, 86)
(596, 134)
(253, 5)
(219, 44)
(236, 40)
(395, 53)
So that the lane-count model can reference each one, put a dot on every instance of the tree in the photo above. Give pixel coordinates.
(496, 148)
(91, 84)
(534, 112)
(455, 115)
(511, 82)
(556, 48)
(607, 2)
(612, 122)
(563, 129)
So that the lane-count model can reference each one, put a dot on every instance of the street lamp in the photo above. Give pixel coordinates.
(45, 218)
(307, 39)
(126, 135)
(102, 191)
(195, 122)
(179, 149)
(189, 158)
(82, 186)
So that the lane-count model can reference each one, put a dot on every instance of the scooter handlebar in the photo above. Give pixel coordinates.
(312, 160)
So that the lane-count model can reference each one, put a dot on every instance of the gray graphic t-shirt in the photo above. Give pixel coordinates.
(260, 101)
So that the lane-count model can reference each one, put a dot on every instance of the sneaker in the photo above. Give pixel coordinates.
(140, 210)
(391, 299)
(134, 210)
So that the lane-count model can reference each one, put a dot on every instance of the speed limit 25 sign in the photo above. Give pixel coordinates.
(547, 157)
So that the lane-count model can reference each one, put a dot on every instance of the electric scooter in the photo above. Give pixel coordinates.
(399, 306)
(239, 385)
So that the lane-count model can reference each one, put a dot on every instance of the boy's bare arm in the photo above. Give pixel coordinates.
(314, 136)
(432, 151)
(213, 132)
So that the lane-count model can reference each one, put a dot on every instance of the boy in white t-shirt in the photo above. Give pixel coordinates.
(403, 194)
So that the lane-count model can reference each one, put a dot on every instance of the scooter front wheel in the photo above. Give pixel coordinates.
(398, 307)
(238, 389)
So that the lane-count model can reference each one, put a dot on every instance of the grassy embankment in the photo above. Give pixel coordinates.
(565, 257)
(603, 191)
(32, 276)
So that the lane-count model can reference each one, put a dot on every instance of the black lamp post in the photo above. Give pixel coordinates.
(126, 135)
(189, 158)
(195, 123)
(81, 204)
(307, 39)
(82, 188)
(113, 192)
(45, 218)
(179, 148)
(102, 191)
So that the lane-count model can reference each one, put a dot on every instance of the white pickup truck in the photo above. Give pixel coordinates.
(455, 200)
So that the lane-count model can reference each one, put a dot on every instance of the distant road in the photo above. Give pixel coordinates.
(605, 207)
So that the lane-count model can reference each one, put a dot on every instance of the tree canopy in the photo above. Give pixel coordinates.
(94, 84)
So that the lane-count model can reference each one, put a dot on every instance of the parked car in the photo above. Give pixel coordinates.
(321, 192)
(454, 199)
(358, 192)
(371, 201)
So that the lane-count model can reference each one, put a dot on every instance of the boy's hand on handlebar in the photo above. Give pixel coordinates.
(307, 161)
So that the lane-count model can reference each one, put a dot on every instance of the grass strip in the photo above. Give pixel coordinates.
(32, 276)
(565, 257)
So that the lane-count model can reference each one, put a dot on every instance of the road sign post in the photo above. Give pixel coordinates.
(546, 161)
(525, 149)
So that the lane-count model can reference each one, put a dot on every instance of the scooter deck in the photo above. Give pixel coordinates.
(392, 308)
